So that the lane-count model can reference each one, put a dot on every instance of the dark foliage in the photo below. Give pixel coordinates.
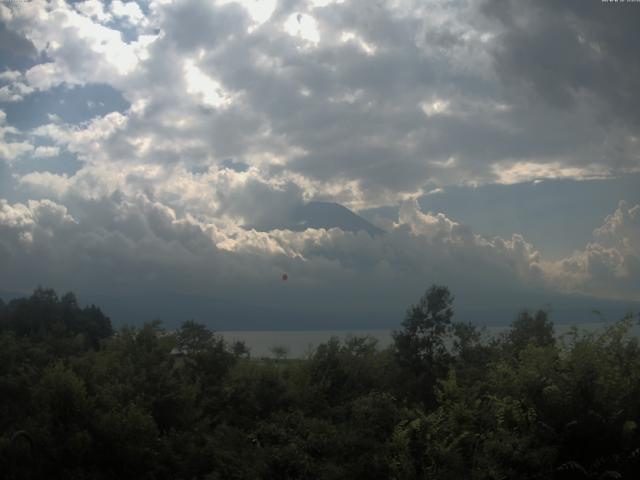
(421, 350)
(445, 401)
(44, 316)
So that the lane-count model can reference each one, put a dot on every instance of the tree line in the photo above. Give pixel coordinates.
(81, 400)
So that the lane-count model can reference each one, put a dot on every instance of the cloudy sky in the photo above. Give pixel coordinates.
(497, 144)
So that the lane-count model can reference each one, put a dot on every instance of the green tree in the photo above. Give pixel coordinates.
(527, 328)
(194, 337)
(280, 352)
(43, 315)
(421, 349)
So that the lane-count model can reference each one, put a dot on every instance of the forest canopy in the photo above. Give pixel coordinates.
(445, 400)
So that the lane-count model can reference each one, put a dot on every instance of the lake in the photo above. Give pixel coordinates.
(300, 343)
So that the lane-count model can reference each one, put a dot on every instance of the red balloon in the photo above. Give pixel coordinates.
(285, 277)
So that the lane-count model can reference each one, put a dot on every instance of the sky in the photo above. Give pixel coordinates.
(495, 142)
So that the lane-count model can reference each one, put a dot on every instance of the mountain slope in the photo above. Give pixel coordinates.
(331, 215)
(322, 215)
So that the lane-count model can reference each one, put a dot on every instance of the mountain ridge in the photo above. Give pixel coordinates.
(325, 215)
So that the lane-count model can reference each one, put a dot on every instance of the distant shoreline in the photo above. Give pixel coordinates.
(299, 342)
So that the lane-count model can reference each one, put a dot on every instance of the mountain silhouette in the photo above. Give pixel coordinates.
(325, 215)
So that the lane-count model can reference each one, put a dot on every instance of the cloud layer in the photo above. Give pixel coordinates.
(239, 111)
(124, 246)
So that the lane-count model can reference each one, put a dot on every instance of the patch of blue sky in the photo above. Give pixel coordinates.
(235, 165)
(63, 163)
(556, 216)
(71, 104)
(16, 52)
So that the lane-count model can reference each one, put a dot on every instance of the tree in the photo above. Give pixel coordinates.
(527, 328)
(44, 315)
(420, 346)
(472, 350)
(194, 337)
(280, 352)
(91, 322)
(240, 349)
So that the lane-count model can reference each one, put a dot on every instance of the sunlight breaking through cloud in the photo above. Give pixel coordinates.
(304, 26)
(259, 10)
(205, 87)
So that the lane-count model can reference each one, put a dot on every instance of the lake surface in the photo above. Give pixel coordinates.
(298, 343)
(301, 343)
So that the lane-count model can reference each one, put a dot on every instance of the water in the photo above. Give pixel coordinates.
(301, 343)
(298, 343)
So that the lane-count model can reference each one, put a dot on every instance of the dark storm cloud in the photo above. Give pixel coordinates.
(197, 24)
(349, 111)
(351, 107)
(358, 117)
(566, 51)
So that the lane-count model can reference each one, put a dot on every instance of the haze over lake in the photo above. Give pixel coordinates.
(299, 344)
